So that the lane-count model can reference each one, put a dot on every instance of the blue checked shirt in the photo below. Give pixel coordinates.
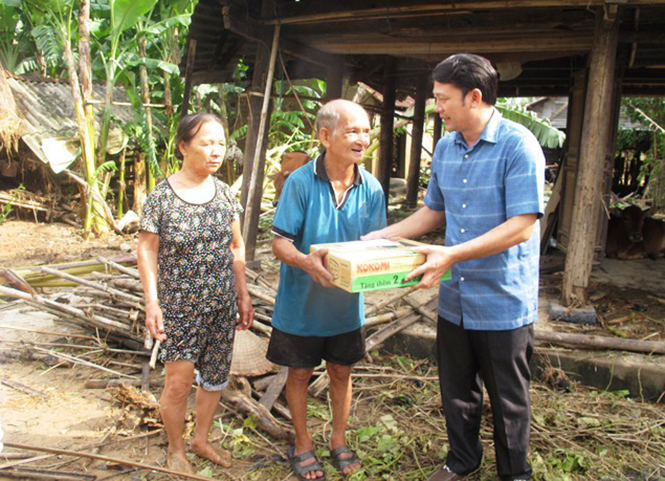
(479, 188)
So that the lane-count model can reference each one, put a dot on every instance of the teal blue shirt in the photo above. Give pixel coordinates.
(480, 187)
(307, 214)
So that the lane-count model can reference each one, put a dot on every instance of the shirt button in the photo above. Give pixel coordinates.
(464, 180)
(462, 231)
(461, 279)
(463, 206)
(466, 156)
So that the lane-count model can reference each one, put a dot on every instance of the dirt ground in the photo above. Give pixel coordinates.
(629, 298)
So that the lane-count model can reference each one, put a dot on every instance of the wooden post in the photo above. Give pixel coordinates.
(334, 79)
(595, 135)
(413, 178)
(255, 190)
(436, 135)
(189, 71)
(387, 125)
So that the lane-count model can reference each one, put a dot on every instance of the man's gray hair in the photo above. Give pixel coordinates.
(328, 117)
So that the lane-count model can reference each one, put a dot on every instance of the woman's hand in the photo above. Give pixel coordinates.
(154, 320)
(245, 313)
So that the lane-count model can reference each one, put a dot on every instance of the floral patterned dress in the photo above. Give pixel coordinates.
(195, 282)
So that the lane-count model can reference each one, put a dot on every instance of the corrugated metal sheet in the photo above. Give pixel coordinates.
(48, 107)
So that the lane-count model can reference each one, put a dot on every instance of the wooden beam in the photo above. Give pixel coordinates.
(595, 135)
(562, 43)
(408, 10)
(387, 124)
(413, 177)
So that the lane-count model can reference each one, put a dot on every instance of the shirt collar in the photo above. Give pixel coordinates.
(320, 171)
(491, 132)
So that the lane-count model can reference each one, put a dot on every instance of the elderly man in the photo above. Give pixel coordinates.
(487, 185)
(328, 200)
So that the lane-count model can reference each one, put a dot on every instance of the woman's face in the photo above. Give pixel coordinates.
(204, 153)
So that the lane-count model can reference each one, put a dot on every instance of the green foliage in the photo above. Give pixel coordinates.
(7, 208)
(548, 136)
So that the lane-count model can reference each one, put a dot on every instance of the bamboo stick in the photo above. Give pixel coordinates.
(23, 388)
(78, 360)
(119, 267)
(46, 474)
(50, 333)
(113, 460)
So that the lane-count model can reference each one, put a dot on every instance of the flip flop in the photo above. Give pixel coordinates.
(176, 463)
(342, 462)
(220, 456)
(301, 470)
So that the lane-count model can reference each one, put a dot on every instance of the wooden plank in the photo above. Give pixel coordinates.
(595, 135)
(274, 389)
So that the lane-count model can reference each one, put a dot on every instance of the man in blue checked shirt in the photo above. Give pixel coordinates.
(330, 199)
(487, 186)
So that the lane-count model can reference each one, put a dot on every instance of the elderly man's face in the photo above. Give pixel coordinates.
(351, 136)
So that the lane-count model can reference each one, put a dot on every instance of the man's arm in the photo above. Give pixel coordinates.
(421, 222)
(286, 252)
(440, 258)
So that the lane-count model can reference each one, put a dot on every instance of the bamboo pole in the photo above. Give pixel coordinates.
(51, 306)
(101, 287)
(262, 128)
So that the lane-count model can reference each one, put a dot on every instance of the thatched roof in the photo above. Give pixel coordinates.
(11, 124)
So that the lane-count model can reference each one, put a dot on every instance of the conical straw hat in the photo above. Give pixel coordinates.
(249, 355)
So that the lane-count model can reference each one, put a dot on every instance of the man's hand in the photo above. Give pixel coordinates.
(245, 313)
(154, 320)
(377, 234)
(439, 260)
(315, 268)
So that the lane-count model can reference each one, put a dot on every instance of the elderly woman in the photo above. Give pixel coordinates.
(191, 258)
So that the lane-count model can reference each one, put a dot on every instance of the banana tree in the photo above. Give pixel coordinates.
(124, 14)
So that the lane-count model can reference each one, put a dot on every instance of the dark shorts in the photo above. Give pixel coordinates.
(307, 351)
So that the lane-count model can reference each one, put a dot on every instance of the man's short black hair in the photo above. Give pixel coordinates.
(467, 71)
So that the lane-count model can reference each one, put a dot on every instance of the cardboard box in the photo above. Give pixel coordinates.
(371, 265)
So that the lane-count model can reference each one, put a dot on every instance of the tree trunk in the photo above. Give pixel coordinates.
(140, 183)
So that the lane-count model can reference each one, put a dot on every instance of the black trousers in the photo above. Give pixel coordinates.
(500, 360)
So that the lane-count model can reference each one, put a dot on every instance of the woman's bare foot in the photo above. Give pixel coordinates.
(177, 461)
(212, 453)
